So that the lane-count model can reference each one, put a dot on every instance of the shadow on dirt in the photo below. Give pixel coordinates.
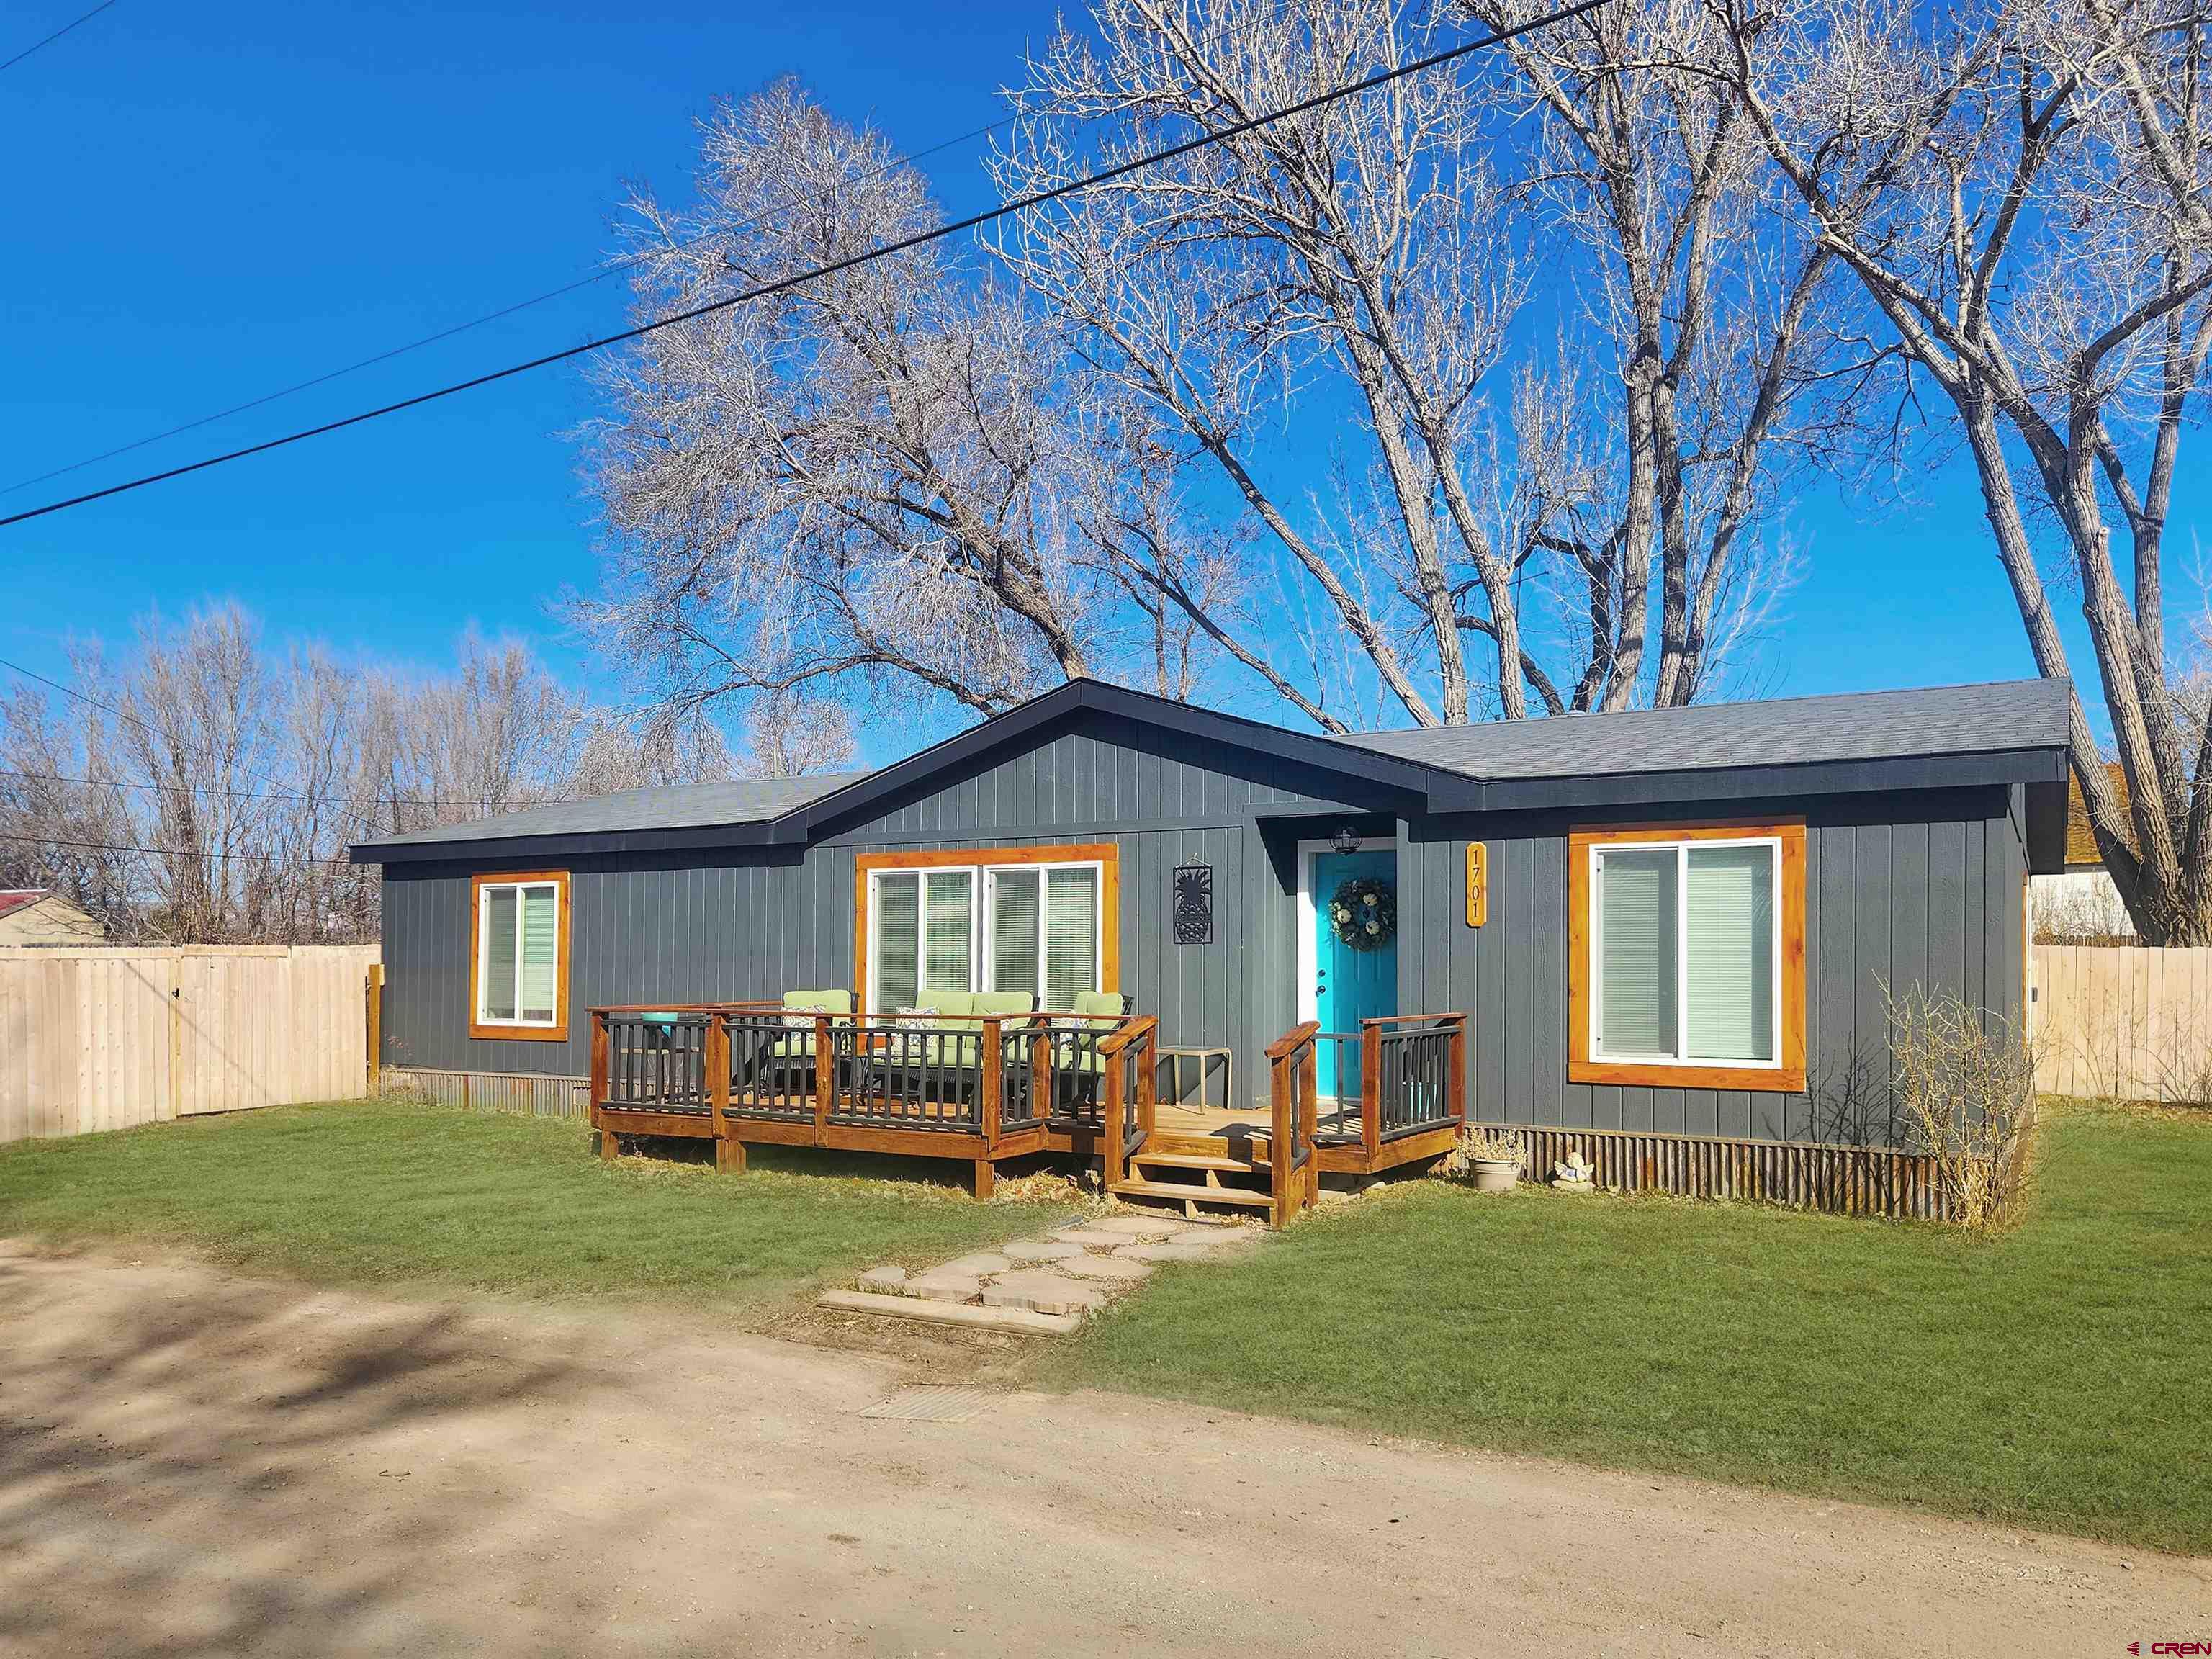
(190, 1419)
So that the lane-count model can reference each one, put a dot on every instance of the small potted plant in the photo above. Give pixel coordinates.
(1494, 1158)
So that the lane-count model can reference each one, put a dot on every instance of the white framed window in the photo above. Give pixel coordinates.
(1689, 956)
(1032, 919)
(518, 955)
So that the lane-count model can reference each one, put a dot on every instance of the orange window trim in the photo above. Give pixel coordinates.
(1106, 854)
(558, 1030)
(1788, 1077)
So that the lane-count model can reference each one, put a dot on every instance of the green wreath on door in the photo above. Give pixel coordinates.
(1362, 913)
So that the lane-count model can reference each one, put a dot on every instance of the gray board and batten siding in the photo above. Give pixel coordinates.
(699, 925)
(1920, 881)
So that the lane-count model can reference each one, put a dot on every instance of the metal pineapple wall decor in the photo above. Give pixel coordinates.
(1193, 904)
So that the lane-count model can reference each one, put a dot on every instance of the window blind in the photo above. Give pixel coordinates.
(1729, 952)
(898, 941)
(951, 927)
(1636, 909)
(541, 936)
(1071, 944)
(498, 987)
(1014, 930)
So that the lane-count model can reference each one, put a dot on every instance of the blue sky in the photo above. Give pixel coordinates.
(207, 203)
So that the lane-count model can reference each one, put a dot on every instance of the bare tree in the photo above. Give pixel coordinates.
(1373, 253)
(2022, 190)
(205, 791)
(861, 479)
(1700, 371)
(788, 734)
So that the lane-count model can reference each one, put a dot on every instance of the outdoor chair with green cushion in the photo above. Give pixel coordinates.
(1076, 1064)
(794, 1050)
(960, 1048)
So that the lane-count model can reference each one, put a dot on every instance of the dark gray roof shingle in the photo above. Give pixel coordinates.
(1950, 720)
(670, 806)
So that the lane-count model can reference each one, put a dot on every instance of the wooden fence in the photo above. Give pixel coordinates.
(110, 1038)
(2123, 1024)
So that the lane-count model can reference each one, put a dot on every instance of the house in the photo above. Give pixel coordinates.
(39, 915)
(1663, 937)
(2079, 904)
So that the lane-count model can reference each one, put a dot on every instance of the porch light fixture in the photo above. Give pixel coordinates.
(1346, 841)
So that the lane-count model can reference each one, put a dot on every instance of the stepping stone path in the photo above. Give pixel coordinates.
(1043, 1284)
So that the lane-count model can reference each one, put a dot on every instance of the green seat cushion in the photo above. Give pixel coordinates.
(1100, 1002)
(819, 1002)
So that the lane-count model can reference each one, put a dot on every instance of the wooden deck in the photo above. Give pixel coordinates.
(983, 1088)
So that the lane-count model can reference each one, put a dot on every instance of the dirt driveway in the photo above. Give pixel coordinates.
(196, 1464)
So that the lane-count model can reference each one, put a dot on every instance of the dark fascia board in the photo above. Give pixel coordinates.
(1658, 789)
(1438, 788)
(497, 849)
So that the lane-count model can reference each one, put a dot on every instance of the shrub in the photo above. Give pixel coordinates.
(1964, 1085)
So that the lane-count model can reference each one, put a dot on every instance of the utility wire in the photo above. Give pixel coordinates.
(41, 45)
(173, 852)
(611, 268)
(358, 820)
(396, 799)
(1019, 204)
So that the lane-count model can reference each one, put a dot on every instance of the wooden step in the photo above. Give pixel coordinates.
(1183, 1192)
(1198, 1161)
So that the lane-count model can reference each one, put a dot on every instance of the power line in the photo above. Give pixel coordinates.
(1020, 204)
(171, 851)
(611, 268)
(606, 270)
(396, 799)
(41, 45)
(358, 820)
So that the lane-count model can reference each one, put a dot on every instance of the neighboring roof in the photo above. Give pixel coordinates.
(40, 915)
(2012, 733)
(1863, 725)
(2080, 840)
(675, 806)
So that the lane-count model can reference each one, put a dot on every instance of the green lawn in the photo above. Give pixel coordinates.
(397, 1194)
(2058, 1375)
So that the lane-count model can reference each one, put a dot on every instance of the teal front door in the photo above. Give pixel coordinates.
(1350, 984)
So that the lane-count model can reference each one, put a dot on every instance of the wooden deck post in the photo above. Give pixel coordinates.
(1148, 1082)
(1456, 1082)
(1114, 1102)
(599, 1083)
(1309, 1123)
(717, 1060)
(1278, 1139)
(993, 1082)
(1370, 1086)
(825, 1078)
(1041, 1072)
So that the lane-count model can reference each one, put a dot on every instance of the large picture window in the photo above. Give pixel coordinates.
(1688, 956)
(519, 956)
(1036, 919)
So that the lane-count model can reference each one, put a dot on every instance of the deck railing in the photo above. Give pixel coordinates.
(1129, 1100)
(994, 1076)
(1406, 1075)
(1294, 1107)
(1419, 1062)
